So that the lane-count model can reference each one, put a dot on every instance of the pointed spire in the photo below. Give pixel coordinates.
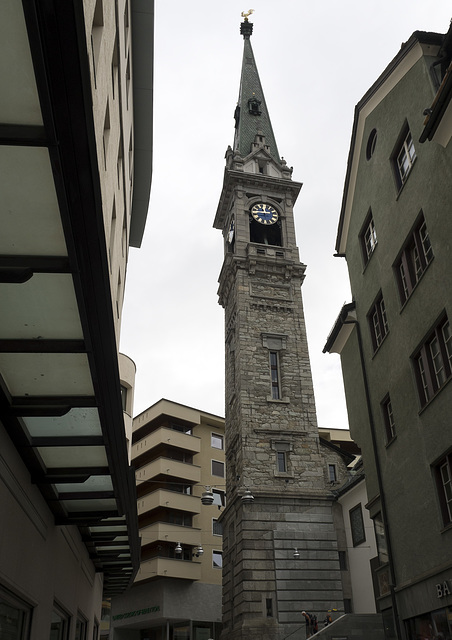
(252, 120)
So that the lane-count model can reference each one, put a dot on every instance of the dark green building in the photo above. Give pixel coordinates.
(395, 337)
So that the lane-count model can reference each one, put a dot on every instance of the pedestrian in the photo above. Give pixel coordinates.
(309, 623)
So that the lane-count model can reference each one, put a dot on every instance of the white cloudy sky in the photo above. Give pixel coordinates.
(315, 60)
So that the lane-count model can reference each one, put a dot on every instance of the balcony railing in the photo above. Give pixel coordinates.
(169, 500)
(165, 532)
(168, 467)
(169, 437)
(169, 568)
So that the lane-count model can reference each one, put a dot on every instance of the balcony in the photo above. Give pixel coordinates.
(169, 568)
(170, 533)
(168, 500)
(167, 467)
(167, 437)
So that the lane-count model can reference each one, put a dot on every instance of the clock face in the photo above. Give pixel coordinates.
(264, 213)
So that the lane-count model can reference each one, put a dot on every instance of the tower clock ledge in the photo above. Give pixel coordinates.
(259, 184)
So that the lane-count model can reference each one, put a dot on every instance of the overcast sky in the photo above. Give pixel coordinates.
(315, 60)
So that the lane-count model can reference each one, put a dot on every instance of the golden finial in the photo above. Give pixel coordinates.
(248, 13)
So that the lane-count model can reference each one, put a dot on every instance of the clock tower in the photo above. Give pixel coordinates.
(280, 541)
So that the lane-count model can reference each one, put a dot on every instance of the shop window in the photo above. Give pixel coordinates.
(433, 361)
(416, 255)
(443, 475)
(357, 525)
(378, 322)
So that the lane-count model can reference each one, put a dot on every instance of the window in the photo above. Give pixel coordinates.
(371, 143)
(415, 257)
(332, 474)
(443, 473)
(282, 449)
(281, 461)
(15, 616)
(218, 468)
(342, 560)
(217, 528)
(219, 497)
(378, 322)
(181, 518)
(274, 371)
(124, 391)
(380, 538)
(217, 559)
(403, 158)
(217, 441)
(368, 238)
(80, 628)
(59, 627)
(433, 361)
(357, 525)
(388, 418)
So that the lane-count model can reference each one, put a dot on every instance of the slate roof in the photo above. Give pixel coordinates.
(250, 124)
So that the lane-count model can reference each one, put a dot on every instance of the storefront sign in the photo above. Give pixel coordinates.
(443, 589)
(139, 612)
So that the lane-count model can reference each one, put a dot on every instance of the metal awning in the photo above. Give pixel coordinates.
(59, 379)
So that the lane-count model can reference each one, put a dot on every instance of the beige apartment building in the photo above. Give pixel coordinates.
(75, 175)
(178, 455)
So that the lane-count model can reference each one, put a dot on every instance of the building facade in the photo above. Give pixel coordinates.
(394, 338)
(280, 541)
(178, 455)
(75, 190)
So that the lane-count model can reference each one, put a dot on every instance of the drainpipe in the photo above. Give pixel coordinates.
(379, 478)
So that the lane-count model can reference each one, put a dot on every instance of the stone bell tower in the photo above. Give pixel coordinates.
(280, 547)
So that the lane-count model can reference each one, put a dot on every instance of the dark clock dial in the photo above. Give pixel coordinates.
(264, 213)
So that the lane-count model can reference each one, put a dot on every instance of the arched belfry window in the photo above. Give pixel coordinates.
(265, 228)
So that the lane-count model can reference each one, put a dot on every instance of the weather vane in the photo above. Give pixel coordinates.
(245, 15)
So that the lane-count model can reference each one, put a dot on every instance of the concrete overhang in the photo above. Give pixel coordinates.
(60, 398)
(143, 64)
(341, 330)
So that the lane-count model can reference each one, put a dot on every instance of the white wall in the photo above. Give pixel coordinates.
(359, 557)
